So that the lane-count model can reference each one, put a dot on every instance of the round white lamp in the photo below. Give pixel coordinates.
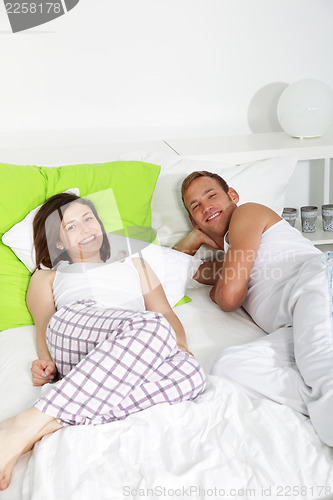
(305, 109)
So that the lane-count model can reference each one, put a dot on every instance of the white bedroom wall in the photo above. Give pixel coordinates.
(151, 69)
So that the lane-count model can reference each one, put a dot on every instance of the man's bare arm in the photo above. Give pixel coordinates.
(193, 241)
(209, 272)
(247, 225)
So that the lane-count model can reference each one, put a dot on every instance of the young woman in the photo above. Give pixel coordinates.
(105, 332)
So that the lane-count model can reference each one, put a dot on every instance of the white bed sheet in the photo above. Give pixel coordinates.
(222, 444)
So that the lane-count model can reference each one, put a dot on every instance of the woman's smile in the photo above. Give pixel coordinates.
(88, 240)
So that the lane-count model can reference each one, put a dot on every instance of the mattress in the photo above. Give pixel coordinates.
(222, 444)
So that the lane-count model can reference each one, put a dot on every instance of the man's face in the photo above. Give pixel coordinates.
(209, 206)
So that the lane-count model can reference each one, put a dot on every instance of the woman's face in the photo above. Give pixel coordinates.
(80, 234)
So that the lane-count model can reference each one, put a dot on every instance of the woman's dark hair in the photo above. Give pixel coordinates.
(46, 227)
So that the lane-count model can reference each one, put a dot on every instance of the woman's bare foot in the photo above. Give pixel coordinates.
(18, 435)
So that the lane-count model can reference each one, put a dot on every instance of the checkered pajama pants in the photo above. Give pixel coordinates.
(113, 363)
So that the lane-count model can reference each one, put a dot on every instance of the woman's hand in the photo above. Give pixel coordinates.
(43, 372)
(183, 347)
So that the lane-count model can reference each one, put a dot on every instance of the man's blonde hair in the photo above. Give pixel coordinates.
(202, 173)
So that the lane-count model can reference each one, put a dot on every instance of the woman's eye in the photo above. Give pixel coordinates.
(70, 228)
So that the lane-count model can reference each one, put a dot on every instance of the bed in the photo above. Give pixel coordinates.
(223, 444)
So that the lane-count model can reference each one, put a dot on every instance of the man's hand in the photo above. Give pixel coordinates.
(205, 239)
(212, 294)
(193, 241)
(43, 372)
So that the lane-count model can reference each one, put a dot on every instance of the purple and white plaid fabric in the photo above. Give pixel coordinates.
(114, 363)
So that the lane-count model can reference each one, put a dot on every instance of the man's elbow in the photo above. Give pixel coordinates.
(229, 306)
(230, 301)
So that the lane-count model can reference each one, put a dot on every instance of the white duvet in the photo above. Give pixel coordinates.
(223, 444)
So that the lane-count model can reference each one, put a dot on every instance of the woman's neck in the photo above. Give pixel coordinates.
(86, 261)
(94, 258)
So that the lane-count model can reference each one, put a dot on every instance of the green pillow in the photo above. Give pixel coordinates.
(23, 188)
(132, 183)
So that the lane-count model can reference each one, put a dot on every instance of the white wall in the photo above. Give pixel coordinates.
(150, 69)
(180, 67)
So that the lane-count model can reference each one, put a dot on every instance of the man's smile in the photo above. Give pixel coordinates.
(213, 216)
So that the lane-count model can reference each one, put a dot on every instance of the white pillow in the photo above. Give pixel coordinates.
(262, 181)
(20, 237)
(173, 269)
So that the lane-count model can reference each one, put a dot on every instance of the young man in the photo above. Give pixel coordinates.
(283, 282)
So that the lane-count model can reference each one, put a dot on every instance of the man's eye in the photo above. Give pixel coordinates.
(211, 196)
